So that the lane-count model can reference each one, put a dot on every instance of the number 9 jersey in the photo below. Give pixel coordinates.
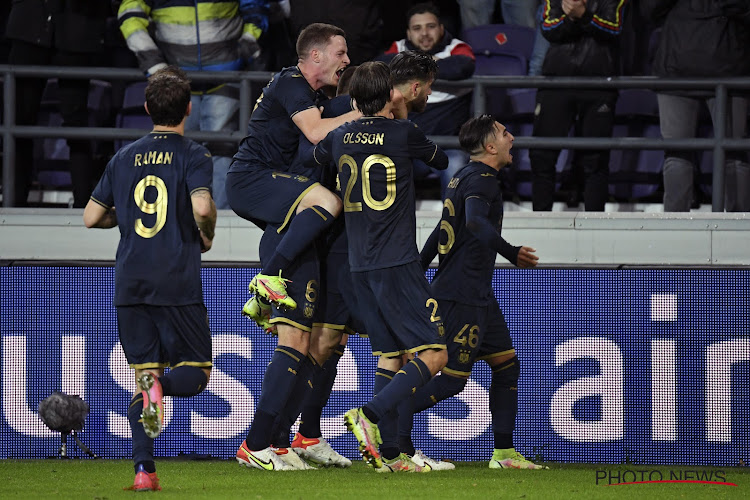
(150, 183)
(374, 160)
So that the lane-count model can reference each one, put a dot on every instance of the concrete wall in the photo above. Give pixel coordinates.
(560, 238)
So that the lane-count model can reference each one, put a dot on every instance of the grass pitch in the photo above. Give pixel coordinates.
(223, 479)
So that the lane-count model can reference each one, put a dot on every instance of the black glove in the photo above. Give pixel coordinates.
(249, 48)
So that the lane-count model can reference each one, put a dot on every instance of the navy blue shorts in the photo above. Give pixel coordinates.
(474, 333)
(338, 304)
(265, 196)
(398, 310)
(161, 336)
(304, 284)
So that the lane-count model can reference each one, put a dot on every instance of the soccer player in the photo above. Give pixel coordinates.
(412, 75)
(161, 188)
(260, 186)
(330, 319)
(468, 239)
(374, 159)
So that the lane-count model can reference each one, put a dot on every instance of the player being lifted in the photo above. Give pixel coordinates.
(161, 187)
(468, 239)
(260, 187)
(264, 187)
(374, 158)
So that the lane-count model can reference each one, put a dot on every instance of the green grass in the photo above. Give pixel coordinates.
(104, 479)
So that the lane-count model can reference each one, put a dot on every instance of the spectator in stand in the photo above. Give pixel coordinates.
(584, 41)
(701, 38)
(541, 45)
(220, 36)
(448, 108)
(60, 34)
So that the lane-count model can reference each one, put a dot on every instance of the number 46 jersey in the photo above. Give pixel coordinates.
(374, 157)
(149, 183)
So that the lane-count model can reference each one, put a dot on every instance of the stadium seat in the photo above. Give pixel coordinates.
(132, 114)
(500, 49)
(636, 109)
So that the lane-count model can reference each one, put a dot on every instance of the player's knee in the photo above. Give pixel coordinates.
(506, 374)
(435, 359)
(334, 205)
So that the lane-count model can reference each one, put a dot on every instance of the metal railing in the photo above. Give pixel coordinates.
(720, 87)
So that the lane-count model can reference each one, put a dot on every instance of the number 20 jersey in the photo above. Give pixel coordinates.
(149, 182)
(374, 160)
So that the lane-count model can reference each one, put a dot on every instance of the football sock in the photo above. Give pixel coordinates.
(504, 401)
(407, 380)
(143, 446)
(302, 231)
(183, 381)
(301, 392)
(323, 382)
(437, 389)
(278, 382)
(388, 423)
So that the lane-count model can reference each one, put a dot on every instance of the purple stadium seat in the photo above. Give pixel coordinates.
(132, 114)
(500, 49)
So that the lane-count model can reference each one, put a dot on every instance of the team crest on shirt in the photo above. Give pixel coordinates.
(463, 357)
(308, 311)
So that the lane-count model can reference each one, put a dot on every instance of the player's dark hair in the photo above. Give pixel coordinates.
(413, 65)
(316, 35)
(345, 80)
(168, 96)
(423, 8)
(371, 87)
(474, 133)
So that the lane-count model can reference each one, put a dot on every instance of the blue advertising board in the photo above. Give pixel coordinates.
(617, 365)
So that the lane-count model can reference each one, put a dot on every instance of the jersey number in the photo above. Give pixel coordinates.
(446, 226)
(370, 161)
(158, 207)
(471, 337)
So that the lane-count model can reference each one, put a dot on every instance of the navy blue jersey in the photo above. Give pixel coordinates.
(466, 264)
(273, 137)
(149, 182)
(374, 159)
(326, 175)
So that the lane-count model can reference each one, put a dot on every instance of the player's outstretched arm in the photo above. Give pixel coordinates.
(316, 128)
(99, 216)
(479, 224)
(204, 212)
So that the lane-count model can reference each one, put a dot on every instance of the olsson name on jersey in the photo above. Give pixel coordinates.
(364, 138)
(153, 158)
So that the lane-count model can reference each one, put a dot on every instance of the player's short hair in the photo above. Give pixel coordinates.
(475, 132)
(371, 87)
(168, 96)
(345, 80)
(316, 35)
(413, 65)
(423, 8)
